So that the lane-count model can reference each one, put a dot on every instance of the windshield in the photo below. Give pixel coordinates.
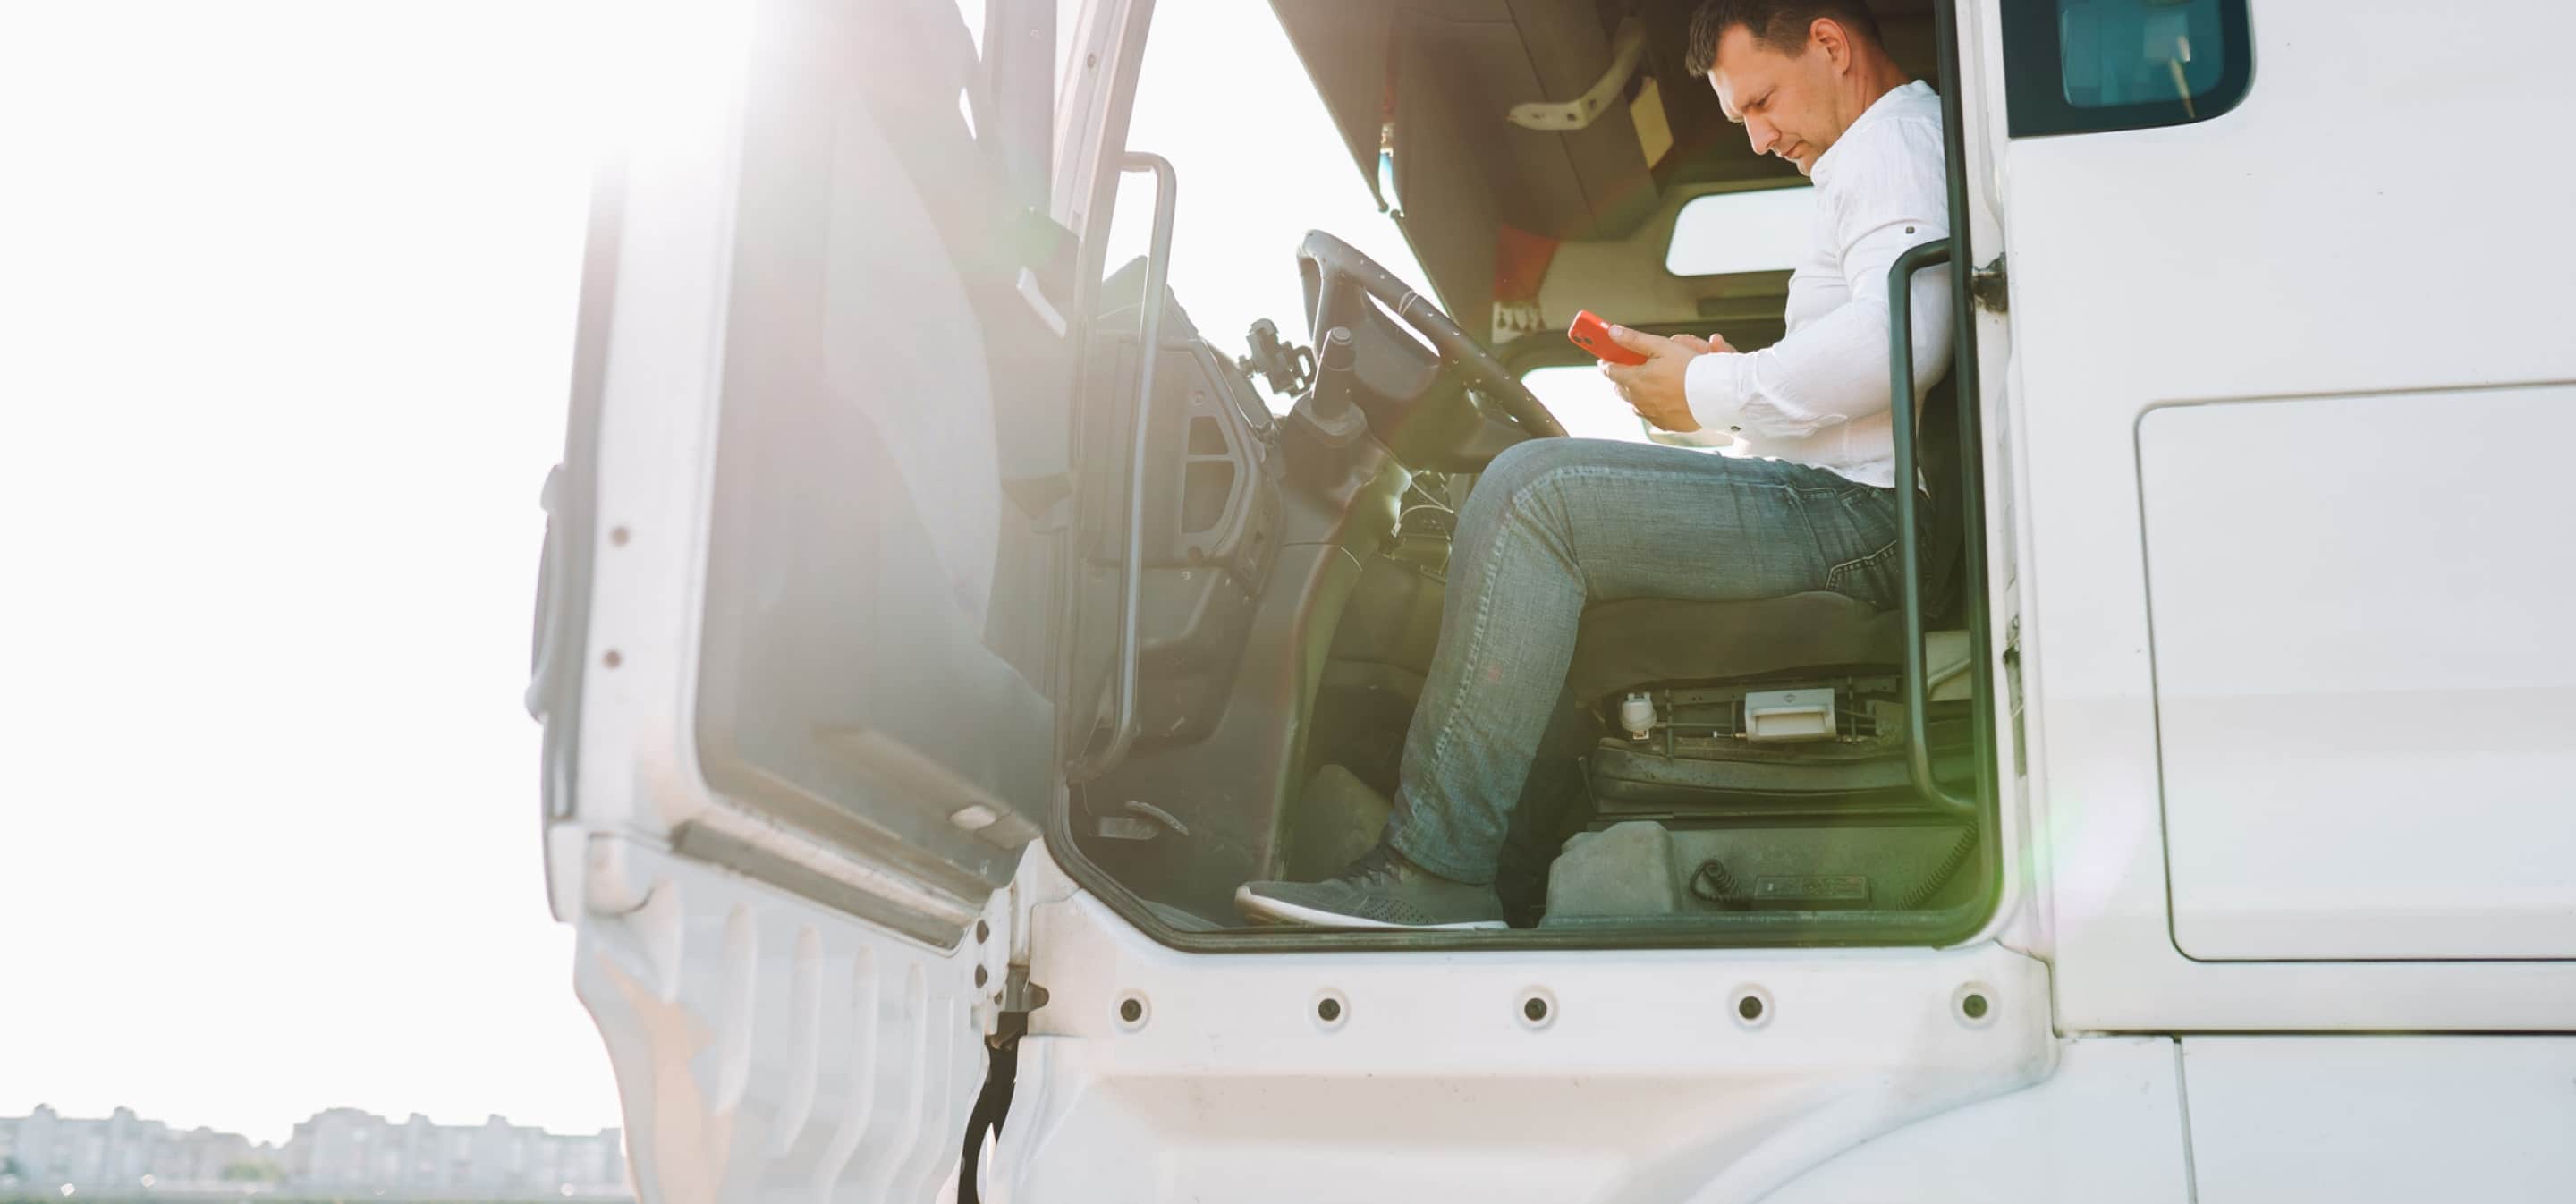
(1259, 164)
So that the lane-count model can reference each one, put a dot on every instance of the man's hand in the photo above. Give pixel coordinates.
(1654, 388)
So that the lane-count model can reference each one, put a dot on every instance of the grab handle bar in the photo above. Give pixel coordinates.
(1909, 541)
(1149, 335)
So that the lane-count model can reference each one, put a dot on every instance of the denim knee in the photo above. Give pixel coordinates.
(1524, 465)
(1506, 484)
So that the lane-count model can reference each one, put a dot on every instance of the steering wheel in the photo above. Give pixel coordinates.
(1340, 283)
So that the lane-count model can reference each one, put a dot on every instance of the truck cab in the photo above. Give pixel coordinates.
(940, 617)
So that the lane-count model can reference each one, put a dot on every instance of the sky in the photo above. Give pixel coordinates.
(285, 334)
(285, 330)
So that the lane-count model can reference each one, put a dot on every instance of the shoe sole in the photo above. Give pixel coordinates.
(1265, 908)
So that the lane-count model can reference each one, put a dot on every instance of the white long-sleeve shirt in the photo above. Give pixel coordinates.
(1819, 395)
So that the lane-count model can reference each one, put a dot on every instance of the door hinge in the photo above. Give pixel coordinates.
(1986, 286)
(1019, 995)
(1011, 919)
(2012, 693)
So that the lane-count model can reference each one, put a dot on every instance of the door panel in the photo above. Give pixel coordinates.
(844, 685)
(789, 631)
(770, 1050)
(2280, 249)
(2365, 680)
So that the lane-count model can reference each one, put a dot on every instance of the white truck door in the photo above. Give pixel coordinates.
(2298, 534)
(794, 631)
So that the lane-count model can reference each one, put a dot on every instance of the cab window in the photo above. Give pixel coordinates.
(1764, 230)
(2088, 66)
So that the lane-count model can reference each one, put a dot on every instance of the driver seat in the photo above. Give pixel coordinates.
(1695, 660)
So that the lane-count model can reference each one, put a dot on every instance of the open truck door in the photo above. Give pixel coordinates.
(796, 619)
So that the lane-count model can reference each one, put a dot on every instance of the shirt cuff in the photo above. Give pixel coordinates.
(1717, 386)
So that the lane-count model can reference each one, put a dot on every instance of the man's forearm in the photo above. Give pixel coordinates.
(1830, 371)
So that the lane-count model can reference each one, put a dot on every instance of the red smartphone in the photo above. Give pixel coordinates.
(1592, 334)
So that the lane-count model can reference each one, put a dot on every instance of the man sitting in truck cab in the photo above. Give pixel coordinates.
(1557, 524)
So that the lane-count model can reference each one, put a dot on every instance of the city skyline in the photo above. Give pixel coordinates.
(335, 1150)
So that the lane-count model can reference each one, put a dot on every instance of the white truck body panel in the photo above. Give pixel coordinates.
(2307, 797)
(2371, 1119)
(1641, 1082)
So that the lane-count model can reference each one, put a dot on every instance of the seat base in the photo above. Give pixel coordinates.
(1630, 644)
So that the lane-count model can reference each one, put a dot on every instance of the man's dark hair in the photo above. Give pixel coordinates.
(1782, 23)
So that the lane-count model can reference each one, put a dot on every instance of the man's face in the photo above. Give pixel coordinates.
(1789, 105)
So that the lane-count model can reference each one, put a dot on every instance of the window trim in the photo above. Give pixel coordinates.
(2035, 78)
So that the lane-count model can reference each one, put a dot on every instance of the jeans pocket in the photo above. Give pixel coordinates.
(1869, 518)
(1873, 578)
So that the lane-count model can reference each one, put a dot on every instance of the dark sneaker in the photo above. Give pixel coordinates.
(1380, 890)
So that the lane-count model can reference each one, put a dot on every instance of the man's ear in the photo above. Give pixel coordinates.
(1829, 37)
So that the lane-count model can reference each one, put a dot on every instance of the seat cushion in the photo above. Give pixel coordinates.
(1623, 645)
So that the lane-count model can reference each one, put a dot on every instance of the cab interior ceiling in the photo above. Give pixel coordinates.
(1488, 204)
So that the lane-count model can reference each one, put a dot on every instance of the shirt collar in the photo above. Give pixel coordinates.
(1888, 102)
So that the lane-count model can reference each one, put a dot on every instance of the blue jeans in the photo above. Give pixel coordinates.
(1557, 524)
